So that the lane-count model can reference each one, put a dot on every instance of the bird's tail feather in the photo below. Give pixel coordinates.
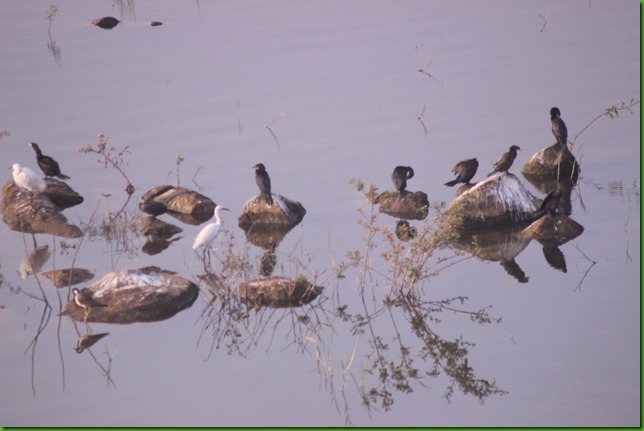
(451, 183)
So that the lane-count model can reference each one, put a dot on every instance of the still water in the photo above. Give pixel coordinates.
(338, 85)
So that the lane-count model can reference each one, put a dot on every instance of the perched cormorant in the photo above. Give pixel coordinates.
(153, 208)
(27, 179)
(263, 182)
(550, 203)
(505, 161)
(400, 176)
(86, 301)
(209, 233)
(48, 165)
(559, 127)
(464, 171)
(106, 23)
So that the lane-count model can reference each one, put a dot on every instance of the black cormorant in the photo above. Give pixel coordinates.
(263, 182)
(48, 165)
(505, 161)
(559, 127)
(400, 176)
(464, 171)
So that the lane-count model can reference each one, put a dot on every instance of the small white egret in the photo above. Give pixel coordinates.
(209, 233)
(27, 179)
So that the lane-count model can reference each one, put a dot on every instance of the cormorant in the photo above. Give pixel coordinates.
(559, 127)
(400, 176)
(550, 203)
(48, 165)
(464, 171)
(86, 301)
(263, 182)
(153, 208)
(505, 161)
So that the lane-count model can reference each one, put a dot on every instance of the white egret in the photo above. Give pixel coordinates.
(209, 233)
(27, 179)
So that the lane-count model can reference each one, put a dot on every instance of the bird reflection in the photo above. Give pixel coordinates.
(34, 261)
(555, 258)
(404, 232)
(512, 268)
(88, 340)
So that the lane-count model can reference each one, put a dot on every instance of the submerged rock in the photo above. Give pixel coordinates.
(554, 230)
(158, 229)
(29, 212)
(141, 295)
(500, 200)
(68, 276)
(278, 292)
(182, 201)
(283, 212)
(407, 205)
(552, 162)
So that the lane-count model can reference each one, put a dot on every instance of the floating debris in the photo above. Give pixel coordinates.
(156, 23)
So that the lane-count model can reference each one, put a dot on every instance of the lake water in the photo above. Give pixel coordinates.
(338, 83)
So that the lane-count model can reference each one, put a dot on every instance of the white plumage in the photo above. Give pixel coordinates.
(209, 233)
(27, 179)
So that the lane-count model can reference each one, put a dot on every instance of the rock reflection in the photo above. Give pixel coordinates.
(68, 277)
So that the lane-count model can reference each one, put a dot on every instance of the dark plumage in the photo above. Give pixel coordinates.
(400, 176)
(550, 203)
(106, 23)
(153, 208)
(505, 161)
(559, 127)
(263, 182)
(464, 171)
(48, 165)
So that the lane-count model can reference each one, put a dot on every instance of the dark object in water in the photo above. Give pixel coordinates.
(48, 165)
(559, 128)
(263, 182)
(156, 23)
(400, 176)
(107, 22)
(464, 171)
(153, 208)
(505, 161)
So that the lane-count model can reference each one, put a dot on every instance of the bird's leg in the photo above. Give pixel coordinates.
(87, 310)
(34, 238)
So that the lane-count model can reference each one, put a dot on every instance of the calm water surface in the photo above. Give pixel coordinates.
(339, 84)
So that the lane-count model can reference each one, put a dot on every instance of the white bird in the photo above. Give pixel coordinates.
(27, 179)
(209, 233)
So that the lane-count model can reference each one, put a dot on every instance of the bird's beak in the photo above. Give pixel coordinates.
(225, 209)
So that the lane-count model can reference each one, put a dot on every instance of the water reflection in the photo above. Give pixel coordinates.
(34, 261)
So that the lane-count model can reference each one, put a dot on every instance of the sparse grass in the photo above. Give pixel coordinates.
(111, 157)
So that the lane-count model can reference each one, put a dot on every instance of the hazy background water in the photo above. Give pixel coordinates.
(341, 80)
